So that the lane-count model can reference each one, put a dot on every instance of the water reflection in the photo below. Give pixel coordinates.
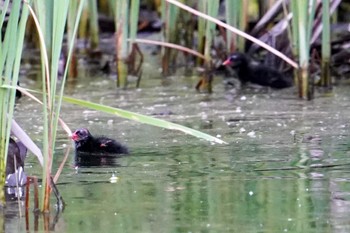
(206, 203)
(96, 160)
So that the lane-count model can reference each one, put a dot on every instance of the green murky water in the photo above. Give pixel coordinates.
(277, 173)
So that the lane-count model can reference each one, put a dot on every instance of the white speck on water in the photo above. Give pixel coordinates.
(64, 145)
(115, 213)
(243, 98)
(218, 136)
(110, 122)
(223, 118)
(285, 230)
(204, 116)
(241, 130)
(238, 109)
(251, 193)
(292, 132)
(89, 112)
(251, 134)
(208, 225)
(90, 122)
(174, 140)
(290, 219)
(113, 179)
(279, 124)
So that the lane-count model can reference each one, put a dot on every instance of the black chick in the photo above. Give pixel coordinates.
(16, 155)
(18, 93)
(258, 74)
(86, 143)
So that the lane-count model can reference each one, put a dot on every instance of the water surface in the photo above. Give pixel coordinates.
(285, 168)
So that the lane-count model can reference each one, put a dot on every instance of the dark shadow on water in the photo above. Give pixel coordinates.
(97, 160)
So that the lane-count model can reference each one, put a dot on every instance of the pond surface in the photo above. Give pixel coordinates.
(285, 167)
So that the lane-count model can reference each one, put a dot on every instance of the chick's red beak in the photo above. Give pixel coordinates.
(227, 62)
(75, 137)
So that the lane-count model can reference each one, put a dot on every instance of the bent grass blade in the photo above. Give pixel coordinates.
(143, 119)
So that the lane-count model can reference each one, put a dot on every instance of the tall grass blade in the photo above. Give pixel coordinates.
(295, 42)
(10, 56)
(170, 16)
(134, 16)
(84, 18)
(71, 39)
(212, 10)
(232, 8)
(303, 14)
(93, 15)
(122, 31)
(47, 153)
(51, 107)
(4, 8)
(326, 49)
(202, 7)
(242, 14)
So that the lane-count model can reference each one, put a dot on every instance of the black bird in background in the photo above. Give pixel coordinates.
(257, 73)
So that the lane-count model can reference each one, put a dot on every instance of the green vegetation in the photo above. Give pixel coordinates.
(55, 19)
(10, 56)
